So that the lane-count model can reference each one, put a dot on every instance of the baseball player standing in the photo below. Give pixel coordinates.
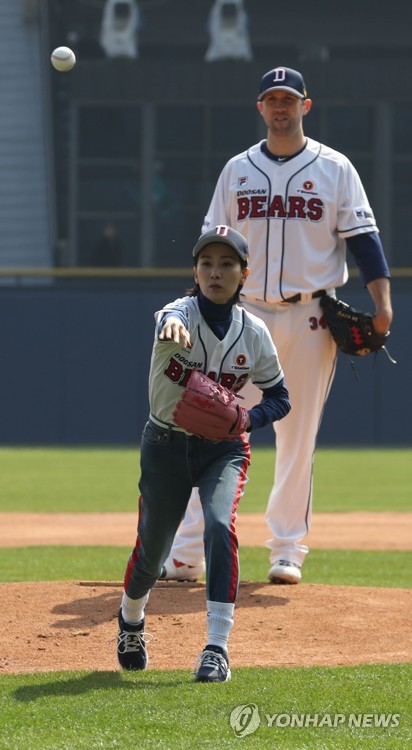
(298, 203)
(206, 331)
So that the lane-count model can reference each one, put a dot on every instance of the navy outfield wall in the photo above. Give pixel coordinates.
(74, 364)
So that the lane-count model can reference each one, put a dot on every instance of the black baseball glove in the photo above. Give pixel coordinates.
(351, 329)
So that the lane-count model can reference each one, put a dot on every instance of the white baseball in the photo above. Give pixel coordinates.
(63, 59)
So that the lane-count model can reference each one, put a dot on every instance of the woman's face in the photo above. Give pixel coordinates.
(219, 272)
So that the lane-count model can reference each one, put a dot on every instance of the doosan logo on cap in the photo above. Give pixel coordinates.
(227, 235)
(284, 79)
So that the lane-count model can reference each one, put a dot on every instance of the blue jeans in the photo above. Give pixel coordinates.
(172, 463)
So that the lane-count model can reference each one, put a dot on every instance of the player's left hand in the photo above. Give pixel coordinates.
(174, 330)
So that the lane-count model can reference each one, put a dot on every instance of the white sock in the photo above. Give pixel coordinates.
(219, 623)
(133, 609)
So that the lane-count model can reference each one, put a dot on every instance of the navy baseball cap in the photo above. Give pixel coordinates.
(226, 235)
(284, 79)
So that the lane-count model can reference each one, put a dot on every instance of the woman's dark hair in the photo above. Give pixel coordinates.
(194, 291)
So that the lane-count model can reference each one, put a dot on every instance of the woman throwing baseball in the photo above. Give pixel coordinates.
(205, 332)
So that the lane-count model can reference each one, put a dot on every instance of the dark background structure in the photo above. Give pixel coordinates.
(131, 149)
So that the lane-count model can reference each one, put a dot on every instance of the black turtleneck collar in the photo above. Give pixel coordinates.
(212, 311)
(218, 317)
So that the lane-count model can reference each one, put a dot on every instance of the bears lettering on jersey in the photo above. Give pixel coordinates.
(229, 380)
(179, 374)
(295, 207)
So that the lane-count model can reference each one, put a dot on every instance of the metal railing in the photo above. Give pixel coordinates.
(134, 272)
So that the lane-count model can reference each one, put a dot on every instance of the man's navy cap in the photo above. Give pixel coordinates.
(226, 235)
(284, 79)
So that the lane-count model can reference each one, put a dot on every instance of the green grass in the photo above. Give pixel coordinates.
(168, 711)
(340, 567)
(54, 479)
(61, 563)
(344, 480)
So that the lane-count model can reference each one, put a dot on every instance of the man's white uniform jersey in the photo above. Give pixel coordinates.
(311, 202)
(246, 352)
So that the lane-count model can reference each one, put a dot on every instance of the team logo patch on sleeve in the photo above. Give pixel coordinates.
(363, 212)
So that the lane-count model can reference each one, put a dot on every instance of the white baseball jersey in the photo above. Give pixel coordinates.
(311, 202)
(246, 352)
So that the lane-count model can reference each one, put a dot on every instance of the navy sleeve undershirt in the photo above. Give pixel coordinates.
(275, 404)
(369, 256)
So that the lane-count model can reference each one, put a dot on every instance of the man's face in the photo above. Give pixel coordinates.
(282, 111)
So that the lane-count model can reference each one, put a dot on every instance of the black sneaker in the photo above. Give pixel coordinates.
(212, 665)
(131, 649)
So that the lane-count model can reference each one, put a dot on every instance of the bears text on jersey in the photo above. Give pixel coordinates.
(179, 374)
(294, 207)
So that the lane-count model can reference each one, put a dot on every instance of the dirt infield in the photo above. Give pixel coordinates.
(71, 625)
(374, 531)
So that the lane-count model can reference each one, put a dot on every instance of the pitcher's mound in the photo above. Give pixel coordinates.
(73, 625)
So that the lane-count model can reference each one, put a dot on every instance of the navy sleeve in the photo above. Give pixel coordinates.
(369, 256)
(275, 404)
